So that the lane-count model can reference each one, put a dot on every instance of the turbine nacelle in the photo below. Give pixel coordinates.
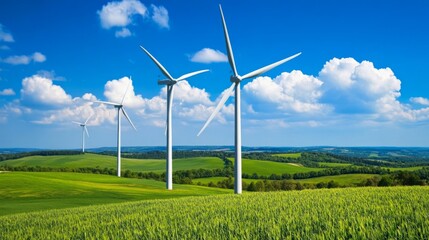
(167, 82)
(235, 79)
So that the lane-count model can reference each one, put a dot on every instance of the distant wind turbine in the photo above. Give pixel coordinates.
(84, 130)
(120, 107)
(236, 79)
(170, 82)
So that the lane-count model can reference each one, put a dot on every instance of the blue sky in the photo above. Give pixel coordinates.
(361, 80)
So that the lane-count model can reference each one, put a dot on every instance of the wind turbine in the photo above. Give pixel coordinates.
(120, 107)
(84, 129)
(236, 80)
(170, 82)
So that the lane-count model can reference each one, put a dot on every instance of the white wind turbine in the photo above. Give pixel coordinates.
(170, 82)
(120, 107)
(236, 79)
(84, 130)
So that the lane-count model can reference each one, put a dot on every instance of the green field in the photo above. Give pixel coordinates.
(288, 155)
(403, 168)
(266, 168)
(342, 180)
(350, 213)
(331, 164)
(25, 192)
(103, 161)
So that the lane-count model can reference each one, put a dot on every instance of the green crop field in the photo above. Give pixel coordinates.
(393, 169)
(288, 155)
(266, 168)
(330, 164)
(350, 213)
(343, 180)
(24, 192)
(103, 161)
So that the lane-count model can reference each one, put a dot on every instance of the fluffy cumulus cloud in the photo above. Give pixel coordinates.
(122, 89)
(361, 88)
(7, 92)
(25, 59)
(122, 14)
(40, 91)
(420, 100)
(160, 16)
(288, 92)
(208, 55)
(5, 36)
(344, 87)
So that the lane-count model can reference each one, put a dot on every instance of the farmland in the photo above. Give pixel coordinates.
(25, 191)
(361, 213)
(103, 161)
(266, 168)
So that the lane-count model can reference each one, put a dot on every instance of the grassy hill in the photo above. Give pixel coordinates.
(266, 168)
(357, 213)
(104, 161)
(25, 192)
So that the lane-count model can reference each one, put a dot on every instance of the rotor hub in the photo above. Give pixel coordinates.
(235, 79)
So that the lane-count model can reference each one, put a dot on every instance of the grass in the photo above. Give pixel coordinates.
(288, 155)
(25, 192)
(331, 164)
(350, 213)
(103, 161)
(266, 168)
(343, 180)
(393, 169)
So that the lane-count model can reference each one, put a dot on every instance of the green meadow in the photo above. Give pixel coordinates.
(266, 168)
(288, 155)
(27, 191)
(104, 161)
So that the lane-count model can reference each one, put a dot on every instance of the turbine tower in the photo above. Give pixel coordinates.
(236, 80)
(120, 107)
(170, 82)
(84, 130)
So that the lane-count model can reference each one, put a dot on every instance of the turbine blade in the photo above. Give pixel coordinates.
(218, 107)
(86, 130)
(163, 70)
(77, 122)
(267, 68)
(88, 119)
(108, 103)
(191, 74)
(125, 94)
(128, 118)
(228, 44)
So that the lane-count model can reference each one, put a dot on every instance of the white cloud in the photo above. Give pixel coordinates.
(38, 57)
(121, 13)
(208, 55)
(5, 36)
(37, 90)
(160, 16)
(114, 91)
(360, 89)
(124, 32)
(288, 92)
(7, 92)
(420, 100)
(24, 59)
